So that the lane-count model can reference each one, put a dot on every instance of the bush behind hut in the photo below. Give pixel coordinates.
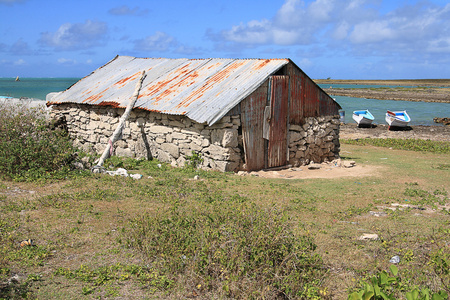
(30, 149)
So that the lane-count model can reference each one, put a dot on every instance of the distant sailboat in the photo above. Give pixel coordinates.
(17, 78)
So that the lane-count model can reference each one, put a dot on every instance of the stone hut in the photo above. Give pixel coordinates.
(238, 114)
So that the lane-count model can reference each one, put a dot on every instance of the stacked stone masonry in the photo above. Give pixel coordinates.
(173, 138)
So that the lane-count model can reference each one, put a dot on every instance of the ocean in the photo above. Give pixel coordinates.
(421, 113)
(36, 88)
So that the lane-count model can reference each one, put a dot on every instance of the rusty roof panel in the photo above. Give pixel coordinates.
(202, 89)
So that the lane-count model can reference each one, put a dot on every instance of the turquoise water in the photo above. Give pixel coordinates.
(36, 88)
(421, 113)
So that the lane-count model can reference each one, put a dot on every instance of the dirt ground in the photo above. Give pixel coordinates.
(351, 131)
(326, 171)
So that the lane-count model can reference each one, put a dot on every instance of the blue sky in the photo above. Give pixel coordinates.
(340, 39)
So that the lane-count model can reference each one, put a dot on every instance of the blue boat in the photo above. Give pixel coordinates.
(397, 118)
(363, 117)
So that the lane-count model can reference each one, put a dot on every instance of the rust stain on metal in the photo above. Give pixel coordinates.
(109, 103)
(262, 64)
(124, 81)
(209, 84)
(153, 89)
(95, 97)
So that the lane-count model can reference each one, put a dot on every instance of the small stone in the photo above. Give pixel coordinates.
(349, 164)
(369, 237)
(395, 259)
(136, 176)
(196, 177)
(313, 166)
(377, 213)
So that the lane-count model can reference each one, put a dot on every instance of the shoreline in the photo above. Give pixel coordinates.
(404, 82)
(421, 90)
(27, 102)
(422, 132)
(436, 95)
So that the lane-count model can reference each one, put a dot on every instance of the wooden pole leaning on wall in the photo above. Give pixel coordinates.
(114, 137)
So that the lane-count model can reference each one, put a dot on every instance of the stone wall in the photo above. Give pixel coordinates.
(168, 138)
(315, 141)
(171, 138)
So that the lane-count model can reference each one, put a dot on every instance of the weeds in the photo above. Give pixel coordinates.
(230, 248)
(386, 286)
(95, 278)
(29, 149)
(224, 236)
(403, 144)
(194, 160)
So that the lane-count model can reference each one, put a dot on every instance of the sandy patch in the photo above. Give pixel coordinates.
(326, 170)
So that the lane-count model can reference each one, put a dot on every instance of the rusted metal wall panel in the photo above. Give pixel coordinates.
(307, 98)
(296, 99)
(311, 98)
(328, 106)
(279, 100)
(252, 120)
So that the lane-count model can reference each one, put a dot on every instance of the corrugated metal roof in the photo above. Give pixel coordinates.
(202, 89)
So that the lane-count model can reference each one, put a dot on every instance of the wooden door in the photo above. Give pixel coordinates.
(277, 152)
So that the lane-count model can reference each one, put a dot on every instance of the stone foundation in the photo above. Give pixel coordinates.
(315, 141)
(172, 138)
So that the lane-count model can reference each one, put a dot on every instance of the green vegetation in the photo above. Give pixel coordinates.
(403, 144)
(29, 148)
(172, 236)
(231, 246)
(383, 286)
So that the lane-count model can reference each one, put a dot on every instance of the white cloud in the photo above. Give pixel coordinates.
(254, 32)
(372, 32)
(306, 63)
(78, 36)
(290, 13)
(160, 41)
(66, 61)
(20, 62)
(441, 45)
(20, 47)
(320, 10)
(341, 30)
(124, 10)
(294, 24)
(360, 26)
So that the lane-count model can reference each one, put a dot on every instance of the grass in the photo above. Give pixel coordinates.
(404, 144)
(66, 234)
(226, 236)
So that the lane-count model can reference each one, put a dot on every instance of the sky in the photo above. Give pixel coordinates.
(337, 39)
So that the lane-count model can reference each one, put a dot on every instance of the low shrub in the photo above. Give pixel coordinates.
(29, 148)
(384, 286)
(231, 249)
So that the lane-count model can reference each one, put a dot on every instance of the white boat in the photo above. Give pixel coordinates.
(397, 118)
(363, 117)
